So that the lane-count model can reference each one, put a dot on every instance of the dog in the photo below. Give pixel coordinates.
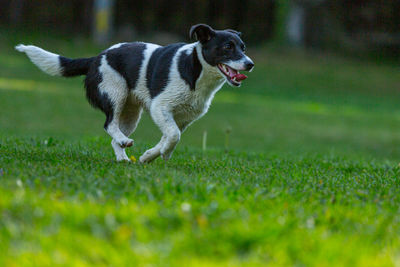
(174, 83)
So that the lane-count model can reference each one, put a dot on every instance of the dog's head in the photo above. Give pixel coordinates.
(223, 50)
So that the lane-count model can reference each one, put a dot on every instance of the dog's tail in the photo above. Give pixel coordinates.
(54, 64)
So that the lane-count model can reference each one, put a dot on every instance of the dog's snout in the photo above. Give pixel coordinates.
(249, 65)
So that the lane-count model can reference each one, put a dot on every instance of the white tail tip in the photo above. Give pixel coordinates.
(20, 48)
(46, 61)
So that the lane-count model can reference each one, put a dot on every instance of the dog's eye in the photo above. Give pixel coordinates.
(228, 46)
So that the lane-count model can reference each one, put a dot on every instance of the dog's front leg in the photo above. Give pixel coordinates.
(171, 133)
(152, 153)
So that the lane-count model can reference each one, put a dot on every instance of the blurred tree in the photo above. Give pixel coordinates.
(295, 24)
(361, 25)
(16, 7)
(281, 20)
(102, 26)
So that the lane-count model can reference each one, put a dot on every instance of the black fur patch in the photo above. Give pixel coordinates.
(127, 60)
(189, 67)
(75, 67)
(95, 98)
(159, 67)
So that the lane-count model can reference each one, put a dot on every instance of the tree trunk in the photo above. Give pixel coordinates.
(102, 26)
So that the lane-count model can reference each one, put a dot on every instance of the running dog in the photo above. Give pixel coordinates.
(174, 83)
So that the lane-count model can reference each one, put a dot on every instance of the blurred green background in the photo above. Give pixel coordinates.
(326, 78)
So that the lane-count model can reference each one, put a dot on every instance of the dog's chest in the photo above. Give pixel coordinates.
(192, 108)
(196, 102)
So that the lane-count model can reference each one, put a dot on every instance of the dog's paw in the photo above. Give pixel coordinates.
(125, 143)
(149, 156)
(123, 158)
(145, 159)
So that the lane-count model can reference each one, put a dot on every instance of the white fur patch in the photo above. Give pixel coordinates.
(116, 46)
(113, 84)
(141, 91)
(46, 61)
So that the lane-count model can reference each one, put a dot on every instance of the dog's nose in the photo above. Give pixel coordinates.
(249, 65)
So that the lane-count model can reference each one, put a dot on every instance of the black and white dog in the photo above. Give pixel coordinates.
(175, 83)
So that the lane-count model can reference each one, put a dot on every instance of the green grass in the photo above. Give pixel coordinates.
(309, 176)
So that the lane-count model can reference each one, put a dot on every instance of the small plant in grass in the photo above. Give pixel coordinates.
(228, 131)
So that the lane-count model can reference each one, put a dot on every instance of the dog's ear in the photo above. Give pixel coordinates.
(234, 32)
(201, 32)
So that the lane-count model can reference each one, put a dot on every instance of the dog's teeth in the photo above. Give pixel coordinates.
(234, 79)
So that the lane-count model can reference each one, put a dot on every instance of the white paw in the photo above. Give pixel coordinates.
(122, 157)
(149, 156)
(123, 160)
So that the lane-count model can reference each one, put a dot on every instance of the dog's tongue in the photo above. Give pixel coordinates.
(235, 74)
(240, 77)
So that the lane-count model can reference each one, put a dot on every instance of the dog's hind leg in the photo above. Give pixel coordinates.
(114, 131)
(107, 90)
(128, 121)
(112, 125)
(120, 153)
(130, 116)
(112, 93)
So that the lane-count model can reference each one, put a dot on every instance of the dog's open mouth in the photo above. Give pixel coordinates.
(233, 76)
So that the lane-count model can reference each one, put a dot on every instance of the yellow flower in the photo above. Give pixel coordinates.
(133, 159)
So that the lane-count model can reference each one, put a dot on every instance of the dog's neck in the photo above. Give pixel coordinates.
(210, 78)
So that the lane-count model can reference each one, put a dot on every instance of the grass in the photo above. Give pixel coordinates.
(309, 177)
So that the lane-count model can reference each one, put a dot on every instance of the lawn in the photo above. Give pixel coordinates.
(301, 168)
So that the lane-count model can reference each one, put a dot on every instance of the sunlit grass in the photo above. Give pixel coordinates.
(29, 85)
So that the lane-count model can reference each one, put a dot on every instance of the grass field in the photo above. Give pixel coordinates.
(307, 176)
